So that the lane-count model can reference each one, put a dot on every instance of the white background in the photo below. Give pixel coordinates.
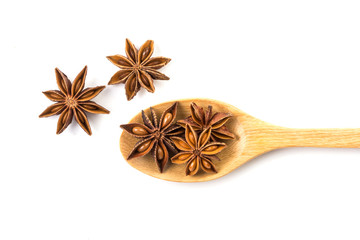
(291, 63)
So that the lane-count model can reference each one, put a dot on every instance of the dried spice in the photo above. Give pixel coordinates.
(196, 151)
(201, 120)
(73, 100)
(138, 69)
(155, 136)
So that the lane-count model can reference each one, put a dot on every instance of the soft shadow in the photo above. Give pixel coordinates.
(248, 166)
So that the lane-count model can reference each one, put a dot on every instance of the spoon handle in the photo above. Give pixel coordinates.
(330, 138)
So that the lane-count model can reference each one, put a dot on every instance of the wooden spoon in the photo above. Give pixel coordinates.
(253, 138)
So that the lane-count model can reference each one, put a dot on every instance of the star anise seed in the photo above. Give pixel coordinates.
(73, 100)
(155, 136)
(201, 120)
(196, 151)
(138, 69)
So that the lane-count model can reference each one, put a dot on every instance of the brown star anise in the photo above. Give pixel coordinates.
(196, 151)
(201, 120)
(72, 100)
(155, 135)
(138, 69)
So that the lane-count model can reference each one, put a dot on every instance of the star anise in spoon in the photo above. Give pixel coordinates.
(155, 136)
(138, 68)
(72, 100)
(201, 119)
(196, 151)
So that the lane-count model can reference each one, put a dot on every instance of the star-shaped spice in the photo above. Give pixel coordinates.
(196, 151)
(155, 136)
(72, 100)
(138, 68)
(201, 120)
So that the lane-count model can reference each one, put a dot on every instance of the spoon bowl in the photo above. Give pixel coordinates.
(253, 138)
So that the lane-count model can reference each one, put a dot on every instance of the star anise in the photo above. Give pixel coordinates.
(138, 69)
(196, 151)
(155, 136)
(201, 120)
(72, 100)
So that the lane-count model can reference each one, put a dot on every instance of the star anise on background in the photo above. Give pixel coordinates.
(201, 120)
(155, 136)
(138, 68)
(72, 100)
(196, 151)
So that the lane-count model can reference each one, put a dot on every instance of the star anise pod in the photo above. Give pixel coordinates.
(72, 100)
(138, 68)
(196, 151)
(155, 136)
(201, 120)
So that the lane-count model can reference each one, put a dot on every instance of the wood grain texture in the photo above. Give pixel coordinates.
(253, 138)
